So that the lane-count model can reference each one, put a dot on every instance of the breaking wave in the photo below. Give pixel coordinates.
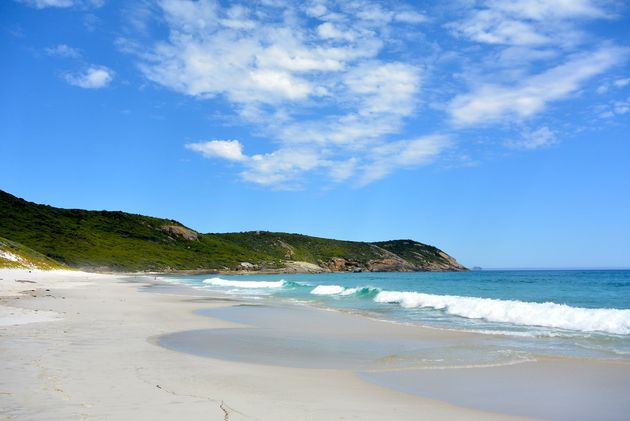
(327, 290)
(548, 314)
(339, 290)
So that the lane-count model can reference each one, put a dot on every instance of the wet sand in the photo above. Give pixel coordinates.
(423, 362)
(305, 337)
(566, 390)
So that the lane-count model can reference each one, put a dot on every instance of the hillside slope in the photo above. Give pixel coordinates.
(14, 255)
(119, 241)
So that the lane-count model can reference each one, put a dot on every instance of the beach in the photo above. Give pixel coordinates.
(76, 345)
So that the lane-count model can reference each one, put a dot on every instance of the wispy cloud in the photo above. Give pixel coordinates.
(278, 167)
(527, 22)
(615, 108)
(534, 139)
(490, 102)
(94, 77)
(283, 167)
(402, 154)
(620, 83)
(42, 4)
(63, 50)
(232, 150)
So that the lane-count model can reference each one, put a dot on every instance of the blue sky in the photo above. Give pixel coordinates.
(497, 130)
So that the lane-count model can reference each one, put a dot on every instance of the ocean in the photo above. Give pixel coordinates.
(577, 313)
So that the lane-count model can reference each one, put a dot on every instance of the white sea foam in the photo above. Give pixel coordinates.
(328, 290)
(244, 284)
(517, 312)
(349, 291)
(339, 290)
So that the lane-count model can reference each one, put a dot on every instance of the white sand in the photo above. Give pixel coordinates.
(26, 282)
(14, 282)
(98, 360)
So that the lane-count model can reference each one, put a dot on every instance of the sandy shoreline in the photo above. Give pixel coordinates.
(95, 355)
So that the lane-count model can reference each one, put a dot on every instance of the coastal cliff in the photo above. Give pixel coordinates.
(119, 241)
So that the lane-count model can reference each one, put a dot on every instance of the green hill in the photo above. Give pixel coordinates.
(119, 241)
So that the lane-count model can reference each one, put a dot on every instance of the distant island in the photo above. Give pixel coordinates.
(42, 236)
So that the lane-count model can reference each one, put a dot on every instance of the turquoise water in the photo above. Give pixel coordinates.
(580, 313)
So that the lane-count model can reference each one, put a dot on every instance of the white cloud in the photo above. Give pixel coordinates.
(491, 102)
(94, 77)
(273, 67)
(535, 139)
(402, 154)
(352, 131)
(373, 12)
(282, 167)
(225, 65)
(527, 22)
(410, 16)
(316, 10)
(232, 150)
(385, 88)
(63, 50)
(343, 170)
(490, 27)
(281, 83)
(331, 84)
(519, 56)
(622, 107)
(616, 108)
(42, 4)
(259, 60)
(617, 83)
(329, 30)
(545, 9)
(535, 52)
(620, 83)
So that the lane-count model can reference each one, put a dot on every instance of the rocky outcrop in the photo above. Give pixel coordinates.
(336, 264)
(391, 262)
(188, 234)
(302, 267)
(339, 264)
(247, 266)
(390, 265)
(409, 255)
(448, 263)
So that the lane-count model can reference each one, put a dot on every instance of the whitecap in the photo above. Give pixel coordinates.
(547, 314)
(327, 290)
